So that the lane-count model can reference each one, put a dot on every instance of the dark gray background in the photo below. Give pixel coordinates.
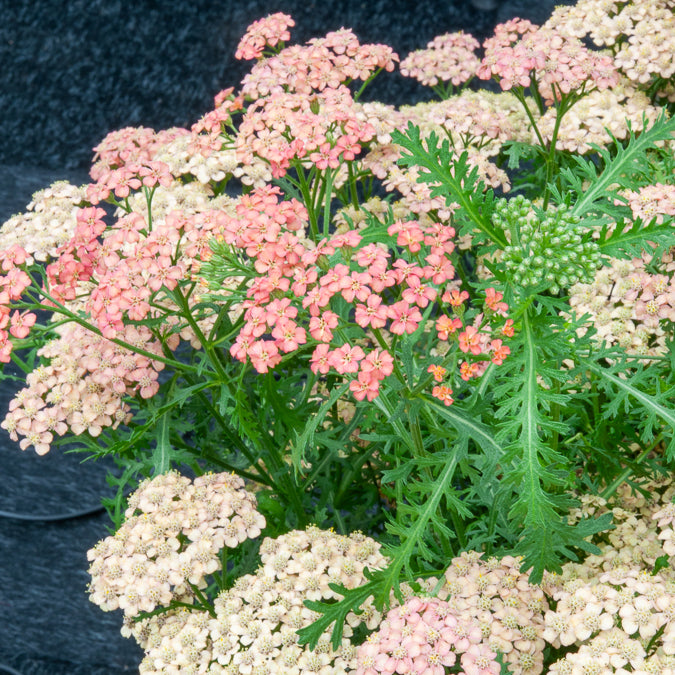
(69, 73)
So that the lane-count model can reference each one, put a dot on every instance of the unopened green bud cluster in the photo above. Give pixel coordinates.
(546, 247)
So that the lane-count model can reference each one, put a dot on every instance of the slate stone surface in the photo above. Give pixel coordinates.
(70, 73)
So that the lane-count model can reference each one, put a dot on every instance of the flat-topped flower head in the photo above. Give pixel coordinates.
(447, 58)
(424, 636)
(509, 610)
(173, 531)
(560, 64)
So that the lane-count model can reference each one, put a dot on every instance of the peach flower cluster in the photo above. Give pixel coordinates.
(253, 627)
(322, 129)
(328, 62)
(423, 637)
(170, 540)
(448, 58)
(267, 32)
(133, 265)
(293, 300)
(13, 282)
(81, 385)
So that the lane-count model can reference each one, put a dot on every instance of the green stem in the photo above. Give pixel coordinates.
(149, 193)
(459, 528)
(416, 434)
(519, 94)
(223, 568)
(352, 185)
(357, 95)
(328, 198)
(206, 605)
(307, 199)
(208, 346)
(61, 309)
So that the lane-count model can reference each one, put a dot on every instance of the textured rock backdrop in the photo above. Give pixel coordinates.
(70, 73)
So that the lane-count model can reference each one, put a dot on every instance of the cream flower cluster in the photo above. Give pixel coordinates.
(639, 33)
(476, 122)
(613, 619)
(253, 627)
(618, 613)
(179, 156)
(508, 609)
(170, 540)
(49, 222)
(635, 542)
(626, 305)
(176, 642)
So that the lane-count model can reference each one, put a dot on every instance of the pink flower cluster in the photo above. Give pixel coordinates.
(13, 282)
(423, 637)
(125, 161)
(322, 129)
(653, 201)
(448, 58)
(267, 32)
(298, 289)
(338, 58)
(519, 50)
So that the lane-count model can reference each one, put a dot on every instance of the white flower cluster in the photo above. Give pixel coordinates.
(49, 221)
(253, 627)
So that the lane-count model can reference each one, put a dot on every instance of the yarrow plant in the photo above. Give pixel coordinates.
(390, 388)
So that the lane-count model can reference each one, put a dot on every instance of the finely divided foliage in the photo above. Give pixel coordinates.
(426, 351)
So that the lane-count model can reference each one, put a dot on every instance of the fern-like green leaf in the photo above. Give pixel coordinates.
(658, 407)
(336, 612)
(305, 439)
(618, 172)
(618, 241)
(535, 471)
(450, 176)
